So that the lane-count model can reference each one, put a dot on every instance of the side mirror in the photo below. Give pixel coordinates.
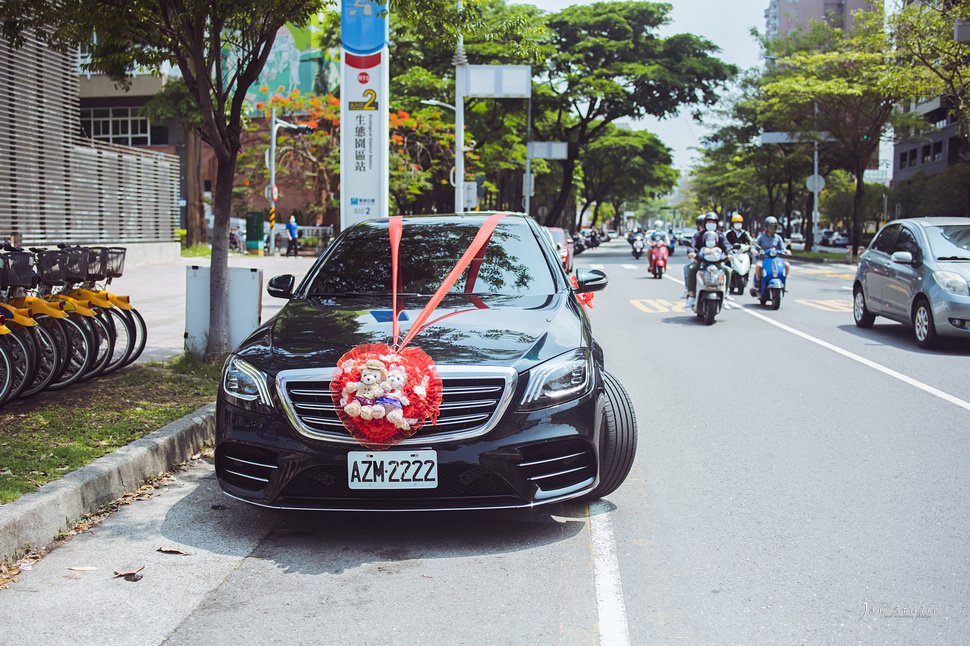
(902, 257)
(591, 280)
(281, 286)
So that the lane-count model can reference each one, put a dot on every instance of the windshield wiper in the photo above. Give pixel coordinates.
(953, 258)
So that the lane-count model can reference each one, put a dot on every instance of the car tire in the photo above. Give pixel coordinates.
(923, 327)
(860, 313)
(618, 444)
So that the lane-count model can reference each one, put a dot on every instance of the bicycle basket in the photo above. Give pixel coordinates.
(97, 261)
(17, 269)
(52, 267)
(77, 264)
(116, 261)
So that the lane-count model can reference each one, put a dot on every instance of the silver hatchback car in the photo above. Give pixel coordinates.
(917, 272)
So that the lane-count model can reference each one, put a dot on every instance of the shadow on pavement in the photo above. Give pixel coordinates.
(331, 543)
(900, 336)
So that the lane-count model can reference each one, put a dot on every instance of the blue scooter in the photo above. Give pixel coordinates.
(772, 286)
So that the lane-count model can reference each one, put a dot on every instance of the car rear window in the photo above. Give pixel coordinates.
(558, 236)
(950, 241)
(512, 262)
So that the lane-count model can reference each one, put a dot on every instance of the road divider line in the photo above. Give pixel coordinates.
(613, 627)
(596, 266)
(866, 362)
(629, 266)
(936, 392)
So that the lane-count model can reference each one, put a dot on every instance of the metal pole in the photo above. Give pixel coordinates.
(814, 222)
(272, 181)
(461, 68)
(528, 160)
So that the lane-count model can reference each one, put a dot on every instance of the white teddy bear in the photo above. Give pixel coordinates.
(366, 392)
(395, 399)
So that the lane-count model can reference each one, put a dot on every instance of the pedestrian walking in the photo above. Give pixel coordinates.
(292, 237)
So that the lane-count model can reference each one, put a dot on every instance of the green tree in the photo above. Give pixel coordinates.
(846, 80)
(606, 61)
(621, 166)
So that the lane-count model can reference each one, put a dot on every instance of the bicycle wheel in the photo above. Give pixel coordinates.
(80, 345)
(48, 360)
(59, 336)
(6, 372)
(141, 334)
(20, 348)
(124, 331)
(104, 343)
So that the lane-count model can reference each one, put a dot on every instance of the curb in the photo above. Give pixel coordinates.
(36, 519)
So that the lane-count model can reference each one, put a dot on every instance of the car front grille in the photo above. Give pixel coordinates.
(473, 401)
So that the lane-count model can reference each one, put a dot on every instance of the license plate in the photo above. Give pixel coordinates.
(392, 470)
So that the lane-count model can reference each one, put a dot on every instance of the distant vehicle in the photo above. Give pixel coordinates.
(841, 240)
(825, 237)
(686, 235)
(563, 244)
(797, 237)
(612, 233)
(917, 272)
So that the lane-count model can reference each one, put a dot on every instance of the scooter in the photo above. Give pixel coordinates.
(772, 287)
(711, 280)
(637, 247)
(658, 259)
(740, 268)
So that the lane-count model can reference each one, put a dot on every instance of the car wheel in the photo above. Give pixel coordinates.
(863, 317)
(618, 445)
(923, 327)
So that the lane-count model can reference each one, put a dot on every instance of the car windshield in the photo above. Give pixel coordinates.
(512, 262)
(950, 242)
(558, 236)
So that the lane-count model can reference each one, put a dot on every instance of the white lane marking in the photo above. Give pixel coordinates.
(596, 266)
(610, 606)
(846, 287)
(915, 383)
(629, 266)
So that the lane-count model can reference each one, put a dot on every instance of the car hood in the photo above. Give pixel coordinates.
(508, 331)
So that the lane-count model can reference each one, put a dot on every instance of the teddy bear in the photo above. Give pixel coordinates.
(395, 399)
(366, 392)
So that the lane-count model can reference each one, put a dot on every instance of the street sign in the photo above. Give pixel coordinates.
(815, 183)
(548, 149)
(794, 137)
(498, 81)
(364, 114)
(275, 193)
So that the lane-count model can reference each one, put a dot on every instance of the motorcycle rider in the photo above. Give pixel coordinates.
(691, 251)
(737, 234)
(710, 226)
(768, 240)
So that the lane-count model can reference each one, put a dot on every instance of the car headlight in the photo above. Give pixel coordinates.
(951, 282)
(562, 378)
(244, 384)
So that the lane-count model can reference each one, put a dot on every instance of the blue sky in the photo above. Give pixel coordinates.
(726, 23)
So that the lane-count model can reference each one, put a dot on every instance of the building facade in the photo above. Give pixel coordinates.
(57, 185)
(782, 17)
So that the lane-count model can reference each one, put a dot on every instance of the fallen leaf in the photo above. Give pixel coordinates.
(173, 550)
(129, 572)
(82, 568)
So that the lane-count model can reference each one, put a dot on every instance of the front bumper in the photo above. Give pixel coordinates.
(951, 313)
(527, 459)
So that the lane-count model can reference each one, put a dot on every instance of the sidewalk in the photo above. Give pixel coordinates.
(158, 291)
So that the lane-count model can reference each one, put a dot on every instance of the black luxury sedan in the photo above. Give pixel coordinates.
(528, 415)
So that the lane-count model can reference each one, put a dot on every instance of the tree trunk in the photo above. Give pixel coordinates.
(218, 342)
(565, 189)
(860, 190)
(195, 233)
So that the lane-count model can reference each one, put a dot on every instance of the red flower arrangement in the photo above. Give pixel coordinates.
(385, 396)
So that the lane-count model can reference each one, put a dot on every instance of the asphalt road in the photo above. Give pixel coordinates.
(796, 484)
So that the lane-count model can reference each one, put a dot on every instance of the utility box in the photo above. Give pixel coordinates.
(254, 231)
(245, 302)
